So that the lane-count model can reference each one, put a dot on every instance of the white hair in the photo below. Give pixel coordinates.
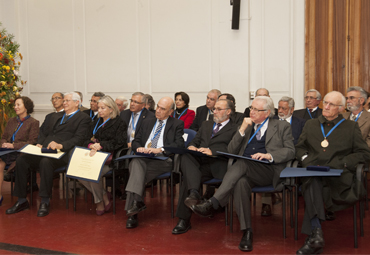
(75, 97)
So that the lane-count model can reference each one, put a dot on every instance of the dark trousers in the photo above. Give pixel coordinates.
(196, 170)
(46, 166)
(239, 181)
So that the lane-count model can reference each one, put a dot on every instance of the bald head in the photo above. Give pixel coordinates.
(165, 108)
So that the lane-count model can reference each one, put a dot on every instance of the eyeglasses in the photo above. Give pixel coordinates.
(93, 101)
(55, 98)
(311, 98)
(351, 98)
(283, 108)
(135, 102)
(330, 104)
(67, 100)
(219, 109)
(212, 99)
(251, 108)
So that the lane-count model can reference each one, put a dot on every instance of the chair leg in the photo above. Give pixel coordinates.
(362, 218)
(355, 224)
(284, 212)
(231, 212)
(114, 191)
(67, 194)
(171, 190)
(254, 199)
(366, 195)
(296, 212)
(152, 191)
(74, 194)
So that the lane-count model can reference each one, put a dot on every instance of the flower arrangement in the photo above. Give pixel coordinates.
(9, 79)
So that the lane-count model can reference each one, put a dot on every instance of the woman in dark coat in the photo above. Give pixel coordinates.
(108, 134)
(19, 131)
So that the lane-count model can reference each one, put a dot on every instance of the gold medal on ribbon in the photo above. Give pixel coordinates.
(133, 134)
(92, 138)
(149, 145)
(324, 143)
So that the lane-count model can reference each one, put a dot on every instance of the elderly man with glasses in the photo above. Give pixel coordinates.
(332, 141)
(261, 138)
(93, 111)
(135, 115)
(312, 110)
(214, 135)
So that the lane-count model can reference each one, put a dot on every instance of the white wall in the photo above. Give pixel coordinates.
(158, 47)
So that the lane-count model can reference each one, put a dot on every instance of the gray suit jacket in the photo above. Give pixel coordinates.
(363, 123)
(279, 143)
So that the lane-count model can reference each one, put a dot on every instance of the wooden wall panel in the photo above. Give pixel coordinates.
(365, 45)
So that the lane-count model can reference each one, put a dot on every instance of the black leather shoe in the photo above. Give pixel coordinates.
(132, 221)
(307, 248)
(329, 216)
(314, 243)
(266, 210)
(136, 207)
(204, 209)
(17, 207)
(246, 244)
(7, 177)
(193, 199)
(182, 227)
(43, 210)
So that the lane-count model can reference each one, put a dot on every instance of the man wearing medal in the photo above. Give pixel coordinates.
(261, 138)
(330, 140)
(154, 134)
(312, 110)
(135, 115)
(64, 131)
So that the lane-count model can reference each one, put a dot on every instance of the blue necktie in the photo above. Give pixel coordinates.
(155, 139)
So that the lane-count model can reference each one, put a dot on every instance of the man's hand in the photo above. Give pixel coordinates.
(128, 145)
(261, 156)
(205, 151)
(55, 146)
(7, 145)
(154, 150)
(39, 145)
(192, 148)
(246, 122)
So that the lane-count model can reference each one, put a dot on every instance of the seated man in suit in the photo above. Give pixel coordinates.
(236, 117)
(261, 138)
(259, 93)
(312, 110)
(333, 141)
(135, 115)
(93, 111)
(205, 112)
(64, 131)
(212, 136)
(285, 112)
(57, 101)
(155, 134)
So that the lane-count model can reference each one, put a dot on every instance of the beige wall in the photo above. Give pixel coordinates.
(158, 47)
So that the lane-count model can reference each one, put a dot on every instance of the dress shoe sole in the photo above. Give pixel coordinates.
(136, 212)
(245, 249)
(209, 215)
(181, 232)
(43, 214)
(314, 252)
(189, 202)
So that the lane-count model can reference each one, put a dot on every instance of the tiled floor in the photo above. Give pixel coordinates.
(82, 232)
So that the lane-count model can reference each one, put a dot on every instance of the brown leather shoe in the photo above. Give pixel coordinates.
(266, 210)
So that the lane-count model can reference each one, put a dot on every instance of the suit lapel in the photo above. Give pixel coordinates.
(169, 124)
(271, 130)
(149, 130)
(223, 130)
(363, 119)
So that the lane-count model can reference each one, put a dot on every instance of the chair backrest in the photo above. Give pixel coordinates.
(188, 136)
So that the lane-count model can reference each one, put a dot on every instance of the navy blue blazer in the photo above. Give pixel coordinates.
(297, 127)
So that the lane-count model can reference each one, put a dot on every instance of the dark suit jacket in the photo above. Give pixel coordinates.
(126, 117)
(112, 136)
(200, 116)
(279, 143)
(297, 127)
(69, 134)
(218, 142)
(303, 114)
(237, 118)
(88, 113)
(363, 123)
(172, 137)
(247, 112)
